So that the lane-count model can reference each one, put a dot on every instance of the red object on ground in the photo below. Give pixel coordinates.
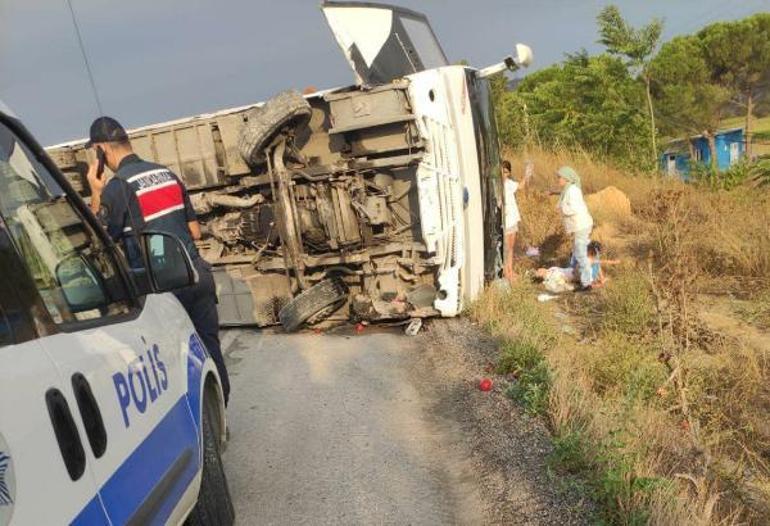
(360, 327)
(485, 384)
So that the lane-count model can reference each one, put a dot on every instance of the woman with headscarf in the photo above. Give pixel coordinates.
(577, 221)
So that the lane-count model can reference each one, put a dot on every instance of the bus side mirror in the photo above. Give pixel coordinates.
(169, 266)
(523, 56)
(522, 59)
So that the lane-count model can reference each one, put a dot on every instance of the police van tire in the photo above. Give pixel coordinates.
(288, 108)
(214, 506)
(314, 304)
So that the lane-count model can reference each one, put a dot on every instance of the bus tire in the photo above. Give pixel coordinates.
(288, 108)
(314, 304)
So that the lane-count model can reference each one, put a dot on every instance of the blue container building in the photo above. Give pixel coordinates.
(730, 148)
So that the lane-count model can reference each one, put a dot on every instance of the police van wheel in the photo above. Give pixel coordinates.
(214, 506)
(288, 108)
(314, 304)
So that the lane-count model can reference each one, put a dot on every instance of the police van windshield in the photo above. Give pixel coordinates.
(71, 269)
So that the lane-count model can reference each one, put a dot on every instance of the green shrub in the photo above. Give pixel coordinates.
(623, 367)
(759, 173)
(516, 356)
(733, 177)
(532, 377)
(627, 305)
(531, 388)
(610, 477)
(571, 452)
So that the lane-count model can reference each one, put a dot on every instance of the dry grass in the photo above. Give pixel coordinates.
(757, 310)
(730, 228)
(665, 417)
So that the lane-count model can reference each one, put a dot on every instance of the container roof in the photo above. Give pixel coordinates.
(677, 145)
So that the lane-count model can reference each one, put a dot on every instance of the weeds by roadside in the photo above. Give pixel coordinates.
(664, 418)
(523, 343)
(757, 310)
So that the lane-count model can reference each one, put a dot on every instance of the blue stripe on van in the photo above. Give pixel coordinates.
(195, 360)
(92, 515)
(131, 484)
(176, 435)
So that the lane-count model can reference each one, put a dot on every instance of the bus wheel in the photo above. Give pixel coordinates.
(314, 304)
(287, 109)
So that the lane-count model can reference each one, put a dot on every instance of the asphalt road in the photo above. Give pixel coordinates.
(333, 429)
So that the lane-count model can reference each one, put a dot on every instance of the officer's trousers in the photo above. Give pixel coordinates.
(200, 302)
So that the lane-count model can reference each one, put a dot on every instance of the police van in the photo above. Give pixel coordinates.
(111, 410)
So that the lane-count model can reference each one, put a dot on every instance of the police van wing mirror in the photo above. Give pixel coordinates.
(80, 284)
(169, 266)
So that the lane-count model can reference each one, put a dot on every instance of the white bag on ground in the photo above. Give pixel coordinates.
(559, 280)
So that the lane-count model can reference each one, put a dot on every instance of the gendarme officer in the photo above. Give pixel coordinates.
(143, 195)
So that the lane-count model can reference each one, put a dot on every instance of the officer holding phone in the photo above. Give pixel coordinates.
(143, 195)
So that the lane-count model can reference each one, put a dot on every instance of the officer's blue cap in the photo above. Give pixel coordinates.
(106, 129)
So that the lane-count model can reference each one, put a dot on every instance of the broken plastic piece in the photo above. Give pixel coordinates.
(414, 326)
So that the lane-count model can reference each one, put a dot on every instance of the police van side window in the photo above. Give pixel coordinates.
(71, 268)
(18, 305)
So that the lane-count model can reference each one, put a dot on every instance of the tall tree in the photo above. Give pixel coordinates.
(739, 56)
(688, 100)
(588, 102)
(638, 46)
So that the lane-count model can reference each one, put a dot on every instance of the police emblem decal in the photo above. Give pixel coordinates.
(5, 493)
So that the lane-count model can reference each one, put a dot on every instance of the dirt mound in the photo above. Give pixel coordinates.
(609, 204)
(605, 233)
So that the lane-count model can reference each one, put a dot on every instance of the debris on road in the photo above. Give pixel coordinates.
(414, 326)
(485, 384)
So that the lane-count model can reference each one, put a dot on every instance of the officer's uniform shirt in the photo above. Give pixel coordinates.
(145, 196)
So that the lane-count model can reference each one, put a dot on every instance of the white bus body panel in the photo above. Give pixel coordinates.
(446, 176)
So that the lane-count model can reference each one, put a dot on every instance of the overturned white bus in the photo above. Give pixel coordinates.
(380, 200)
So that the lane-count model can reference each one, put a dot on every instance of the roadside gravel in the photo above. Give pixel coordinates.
(507, 450)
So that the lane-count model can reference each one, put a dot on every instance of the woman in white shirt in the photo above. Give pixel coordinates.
(577, 221)
(512, 216)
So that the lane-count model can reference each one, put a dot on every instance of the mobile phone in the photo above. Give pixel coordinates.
(100, 161)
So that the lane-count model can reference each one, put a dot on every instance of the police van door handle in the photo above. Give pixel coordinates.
(66, 433)
(91, 415)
